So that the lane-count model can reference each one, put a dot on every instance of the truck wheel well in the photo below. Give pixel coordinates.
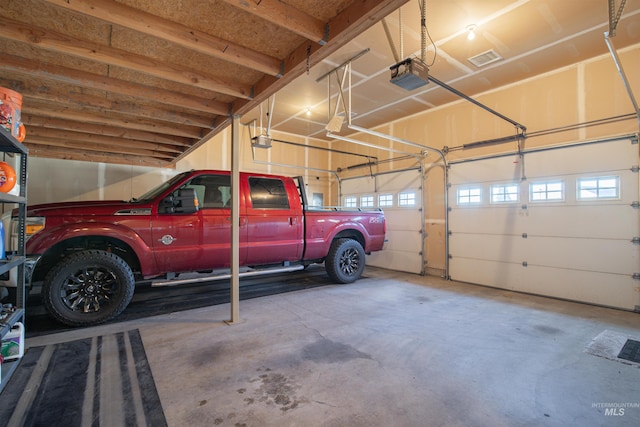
(65, 248)
(350, 234)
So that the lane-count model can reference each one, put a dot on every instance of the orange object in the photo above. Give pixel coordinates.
(22, 133)
(10, 109)
(7, 177)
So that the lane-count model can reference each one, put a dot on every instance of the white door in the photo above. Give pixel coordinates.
(399, 195)
(560, 222)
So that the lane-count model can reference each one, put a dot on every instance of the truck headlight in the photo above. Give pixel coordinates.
(33, 224)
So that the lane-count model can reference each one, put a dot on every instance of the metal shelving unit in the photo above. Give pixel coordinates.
(8, 144)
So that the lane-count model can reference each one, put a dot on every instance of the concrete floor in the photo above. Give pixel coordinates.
(392, 349)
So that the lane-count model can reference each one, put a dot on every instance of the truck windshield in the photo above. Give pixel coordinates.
(153, 193)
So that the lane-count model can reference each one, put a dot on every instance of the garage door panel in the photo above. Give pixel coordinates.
(595, 255)
(404, 241)
(571, 221)
(396, 260)
(399, 181)
(403, 220)
(485, 272)
(613, 290)
(488, 247)
(571, 248)
(603, 255)
(507, 220)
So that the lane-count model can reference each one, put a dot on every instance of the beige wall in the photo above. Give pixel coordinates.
(52, 180)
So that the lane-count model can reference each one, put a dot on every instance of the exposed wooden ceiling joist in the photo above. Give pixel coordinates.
(129, 17)
(63, 44)
(44, 72)
(285, 16)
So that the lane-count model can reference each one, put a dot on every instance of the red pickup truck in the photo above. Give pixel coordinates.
(88, 255)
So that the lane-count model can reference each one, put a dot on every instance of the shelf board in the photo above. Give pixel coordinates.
(10, 198)
(8, 264)
(9, 144)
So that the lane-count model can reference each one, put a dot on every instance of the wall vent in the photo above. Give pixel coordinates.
(485, 58)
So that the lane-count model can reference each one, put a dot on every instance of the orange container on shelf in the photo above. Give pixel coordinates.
(10, 109)
(7, 177)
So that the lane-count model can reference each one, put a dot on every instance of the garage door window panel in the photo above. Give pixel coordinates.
(407, 199)
(546, 191)
(366, 201)
(598, 188)
(469, 196)
(385, 200)
(350, 202)
(505, 193)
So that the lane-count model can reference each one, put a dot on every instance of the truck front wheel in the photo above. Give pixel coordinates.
(88, 288)
(345, 261)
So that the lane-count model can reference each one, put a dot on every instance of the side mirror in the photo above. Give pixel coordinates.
(185, 202)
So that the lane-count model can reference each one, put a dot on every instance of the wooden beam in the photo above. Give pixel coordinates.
(136, 19)
(61, 43)
(88, 146)
(34, 121)
(46, 73)
(285, 16)
(77, 100)
(43, 109)
(93, 156)
(39, 134)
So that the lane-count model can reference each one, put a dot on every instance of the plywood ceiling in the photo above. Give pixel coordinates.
(146, 81)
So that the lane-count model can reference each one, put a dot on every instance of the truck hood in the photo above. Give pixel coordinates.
(98, 207)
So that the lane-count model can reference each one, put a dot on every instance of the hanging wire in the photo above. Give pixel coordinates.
(425, 33)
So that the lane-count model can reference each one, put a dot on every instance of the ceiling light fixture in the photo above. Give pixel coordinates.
(471, 31)
(307, 111)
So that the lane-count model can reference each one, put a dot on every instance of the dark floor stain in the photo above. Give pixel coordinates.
(276, 389)
(327, 351)
(548, 329)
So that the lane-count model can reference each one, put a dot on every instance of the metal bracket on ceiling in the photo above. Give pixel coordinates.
(336, 121)
(326, 35)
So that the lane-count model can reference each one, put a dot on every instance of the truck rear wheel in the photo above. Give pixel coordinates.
(345, 261)
(88, 288)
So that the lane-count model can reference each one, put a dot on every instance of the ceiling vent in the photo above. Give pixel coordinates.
(485, 58)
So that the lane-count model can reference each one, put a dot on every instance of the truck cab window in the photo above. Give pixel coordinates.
(213, 191)
(268, 193)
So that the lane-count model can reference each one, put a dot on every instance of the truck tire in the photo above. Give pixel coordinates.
(345, 261)
(88, 288)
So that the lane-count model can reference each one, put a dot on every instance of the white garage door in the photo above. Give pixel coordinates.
(561, 222)
(399, 195)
